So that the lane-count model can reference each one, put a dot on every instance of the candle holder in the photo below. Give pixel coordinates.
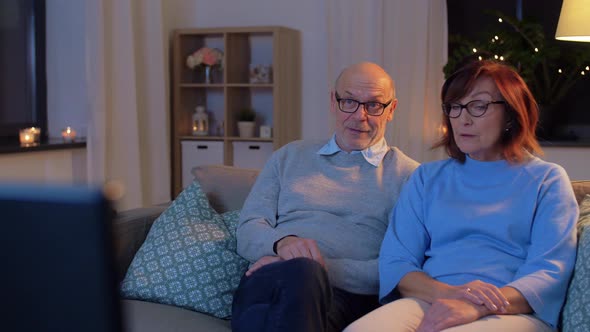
(68, 135)
(200, 122)
(29, 136)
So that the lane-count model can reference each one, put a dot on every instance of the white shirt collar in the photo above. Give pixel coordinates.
(373, 154)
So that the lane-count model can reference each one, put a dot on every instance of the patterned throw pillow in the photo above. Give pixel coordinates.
(230, 219)
(188, 259)
(576, 312)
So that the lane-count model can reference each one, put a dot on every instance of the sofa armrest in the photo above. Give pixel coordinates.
(130, 229)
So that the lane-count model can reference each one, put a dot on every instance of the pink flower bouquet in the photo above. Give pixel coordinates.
(205, 56)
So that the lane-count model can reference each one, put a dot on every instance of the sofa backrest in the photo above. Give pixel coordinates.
(581, 189)
(226, 187)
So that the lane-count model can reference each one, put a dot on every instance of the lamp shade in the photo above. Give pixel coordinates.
(574, 21)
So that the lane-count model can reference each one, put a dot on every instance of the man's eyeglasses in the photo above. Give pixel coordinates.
(475, 108)
(372, 108)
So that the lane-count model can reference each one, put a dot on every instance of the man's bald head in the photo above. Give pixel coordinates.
(368, 71)
(363, 83)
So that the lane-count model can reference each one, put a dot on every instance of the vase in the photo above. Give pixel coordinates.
(207, 74)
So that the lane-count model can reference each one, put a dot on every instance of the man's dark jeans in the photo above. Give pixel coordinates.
(295, 296)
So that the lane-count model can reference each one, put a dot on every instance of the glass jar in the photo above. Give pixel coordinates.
(200, 122)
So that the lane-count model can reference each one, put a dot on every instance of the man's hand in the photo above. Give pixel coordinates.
(292, 247)
(445, 313)
(265, 260)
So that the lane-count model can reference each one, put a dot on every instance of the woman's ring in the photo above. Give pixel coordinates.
(468, 290)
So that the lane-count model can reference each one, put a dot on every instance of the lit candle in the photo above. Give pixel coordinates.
(68, 134)
(27, 137)
(36, 131)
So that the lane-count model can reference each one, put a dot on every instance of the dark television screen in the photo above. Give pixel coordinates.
(22, 67)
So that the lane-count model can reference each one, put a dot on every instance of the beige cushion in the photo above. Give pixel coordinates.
(226, 187)
(142, 316)
(581, 189)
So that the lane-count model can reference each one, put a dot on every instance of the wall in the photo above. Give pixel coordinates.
(67, 93)
(66, 68)
(56, 166)
(309, 17)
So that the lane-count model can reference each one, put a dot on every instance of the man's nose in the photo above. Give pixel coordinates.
(361, 112)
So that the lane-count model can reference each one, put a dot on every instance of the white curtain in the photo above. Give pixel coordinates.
(128, 137)
(407, 38)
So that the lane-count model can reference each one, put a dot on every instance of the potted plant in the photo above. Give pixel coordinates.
(246, 122)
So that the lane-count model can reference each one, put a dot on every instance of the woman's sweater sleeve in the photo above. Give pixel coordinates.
(544, 277)
(406, 238)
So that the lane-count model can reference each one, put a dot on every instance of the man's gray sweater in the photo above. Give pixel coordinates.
(340, 200)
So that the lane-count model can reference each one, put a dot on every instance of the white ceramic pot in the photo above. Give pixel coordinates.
(246, 128)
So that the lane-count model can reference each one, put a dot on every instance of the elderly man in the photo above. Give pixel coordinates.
(315, 218)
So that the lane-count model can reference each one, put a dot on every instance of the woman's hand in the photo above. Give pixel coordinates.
(482, 293)
(445, 313)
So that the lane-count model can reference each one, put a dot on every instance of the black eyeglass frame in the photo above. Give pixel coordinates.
(446, 106)
(338, 99)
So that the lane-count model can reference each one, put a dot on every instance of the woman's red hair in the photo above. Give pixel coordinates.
(523, 111)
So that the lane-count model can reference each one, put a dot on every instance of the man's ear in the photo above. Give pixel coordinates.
(392, 108)
(333, 100)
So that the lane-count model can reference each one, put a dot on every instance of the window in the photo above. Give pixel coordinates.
(567, 121)
(22, 64)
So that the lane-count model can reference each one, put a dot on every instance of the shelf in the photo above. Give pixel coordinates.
(226, 138)
(201, 138)
(201, 85)
(248, 54)
(248, 139)
(229, 85)
(249, 85)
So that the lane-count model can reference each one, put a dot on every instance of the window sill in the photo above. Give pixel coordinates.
(565, 144)
(51, 144)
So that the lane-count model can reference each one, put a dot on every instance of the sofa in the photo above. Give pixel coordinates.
(226, 188)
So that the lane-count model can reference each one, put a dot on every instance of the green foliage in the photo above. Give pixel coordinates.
(246, 114)
(523, 45)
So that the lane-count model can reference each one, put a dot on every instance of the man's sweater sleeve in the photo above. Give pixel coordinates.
(257, 232)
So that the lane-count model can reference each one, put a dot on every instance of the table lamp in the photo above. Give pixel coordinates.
(574, 21)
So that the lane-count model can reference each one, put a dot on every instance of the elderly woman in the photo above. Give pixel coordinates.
(485, 240)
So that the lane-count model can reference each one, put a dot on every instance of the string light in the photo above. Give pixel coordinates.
(480, 58)
(493, 40)
(559, 70)
(500, 19)
(583, 72)
(536, 49)
(496, 56)
(474, 50)
(587, 67)
(496, 37)
(501, 58)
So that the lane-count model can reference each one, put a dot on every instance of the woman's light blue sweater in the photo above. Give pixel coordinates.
(505, 224)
